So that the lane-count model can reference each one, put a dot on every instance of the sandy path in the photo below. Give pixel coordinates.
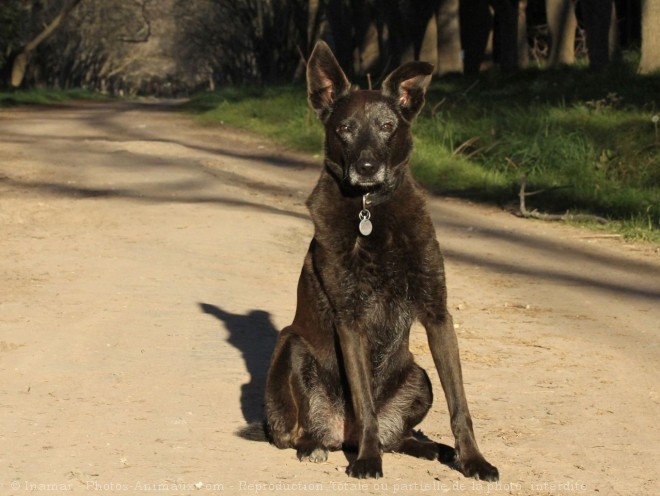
(147, 263)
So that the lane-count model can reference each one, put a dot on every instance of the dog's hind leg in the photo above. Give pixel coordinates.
(299, 412)
(309, 449)
(410, 404)
(418, 446)
(281, 422)
(402, 411)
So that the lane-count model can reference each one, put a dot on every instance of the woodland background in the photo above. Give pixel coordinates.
(174, 47)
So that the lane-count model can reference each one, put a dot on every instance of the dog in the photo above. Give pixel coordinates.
(341, 375)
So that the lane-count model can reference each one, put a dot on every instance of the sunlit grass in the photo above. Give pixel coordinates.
(587, 138)
(277, 113)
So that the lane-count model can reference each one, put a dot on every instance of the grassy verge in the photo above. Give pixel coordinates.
(587, 139)
(280, 113)
(44, 96)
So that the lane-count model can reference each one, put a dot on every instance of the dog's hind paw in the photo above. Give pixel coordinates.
(419, 448)
(480, 469)
(448, 456)
(316, 455)
(367, 468)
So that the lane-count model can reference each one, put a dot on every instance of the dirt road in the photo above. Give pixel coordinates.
(147, 264)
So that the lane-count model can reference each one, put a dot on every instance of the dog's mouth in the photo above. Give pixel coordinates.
(372, 177)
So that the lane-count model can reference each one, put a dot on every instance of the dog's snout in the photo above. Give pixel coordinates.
(367, 170)
(366, 167)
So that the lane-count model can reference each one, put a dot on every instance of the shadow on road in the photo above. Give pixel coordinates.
(254, 335)
(72, 191)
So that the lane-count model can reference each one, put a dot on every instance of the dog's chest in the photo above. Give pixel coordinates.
(378, 272)
(374, 279)
(378, 280)
(379, 267)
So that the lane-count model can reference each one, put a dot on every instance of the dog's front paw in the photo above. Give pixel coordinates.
(480, 469)
(315, 455)
(367, 468)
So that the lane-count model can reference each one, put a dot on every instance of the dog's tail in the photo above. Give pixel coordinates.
(254, 431)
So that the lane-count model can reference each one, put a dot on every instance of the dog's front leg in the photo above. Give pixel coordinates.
(355, 354)
(444, 349)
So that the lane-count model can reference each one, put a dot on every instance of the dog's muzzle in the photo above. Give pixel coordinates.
(366, 172)
(372, 176)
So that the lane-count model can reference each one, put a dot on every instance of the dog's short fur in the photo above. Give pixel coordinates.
(342, 374)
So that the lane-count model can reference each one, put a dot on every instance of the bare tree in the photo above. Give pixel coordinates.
(100, 45)
(448, 37)
(242, 40)
(495, 26)
(523, 44)
(12, 30)
(505, 36)
(562, 24)
(650, 61)
(601, 35)
(22, 58)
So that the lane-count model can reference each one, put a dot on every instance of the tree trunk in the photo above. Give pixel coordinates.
(476, 26)
(448, 37)
(562, 23)
(21, 61)
(650, 61)
(615, 38)
(597, 17)
(505, 39)
(340, 19)
(428, 50)
(18, 69)
(523, 44)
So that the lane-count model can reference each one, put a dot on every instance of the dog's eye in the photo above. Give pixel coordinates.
(387, 127)
(344, 129)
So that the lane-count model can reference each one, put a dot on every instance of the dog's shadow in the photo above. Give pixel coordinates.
(254, 335)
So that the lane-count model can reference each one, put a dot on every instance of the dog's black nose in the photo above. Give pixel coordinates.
(366, 168)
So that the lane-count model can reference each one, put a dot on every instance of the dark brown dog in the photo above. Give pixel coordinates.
(342, 374)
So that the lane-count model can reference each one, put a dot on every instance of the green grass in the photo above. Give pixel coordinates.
(44, 96)
(588, 138)
(279, 113)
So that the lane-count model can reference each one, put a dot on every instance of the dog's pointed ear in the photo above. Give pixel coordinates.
(325, 80)
(407, 85)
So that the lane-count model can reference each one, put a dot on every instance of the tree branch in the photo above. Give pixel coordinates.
(20, 62)
(144, 33)
(534, 214)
